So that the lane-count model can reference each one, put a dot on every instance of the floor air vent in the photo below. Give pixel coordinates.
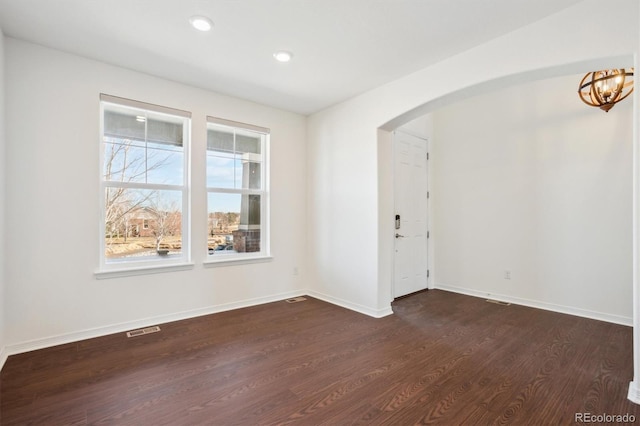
(140, 332)
(296, 299)
(498, 302)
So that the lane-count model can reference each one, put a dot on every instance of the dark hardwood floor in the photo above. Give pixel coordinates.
(442, 358)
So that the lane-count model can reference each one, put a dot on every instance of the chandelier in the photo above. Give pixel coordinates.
(605, 88)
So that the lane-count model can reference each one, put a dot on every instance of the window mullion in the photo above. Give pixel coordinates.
(140, 185)
(146, 149)
(236, 191)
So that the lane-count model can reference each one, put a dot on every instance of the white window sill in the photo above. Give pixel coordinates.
(229, 261)
(142, 270)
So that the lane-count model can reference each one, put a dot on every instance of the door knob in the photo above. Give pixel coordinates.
(399, 236)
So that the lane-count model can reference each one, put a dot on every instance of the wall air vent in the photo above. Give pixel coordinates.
(498, 302)
(296, 299)
(140, 332)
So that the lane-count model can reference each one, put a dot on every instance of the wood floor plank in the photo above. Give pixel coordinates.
(442, 358)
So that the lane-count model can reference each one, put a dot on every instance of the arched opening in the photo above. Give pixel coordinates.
(386, 243)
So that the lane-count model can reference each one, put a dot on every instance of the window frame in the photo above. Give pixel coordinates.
(221, 259)
(161, 263)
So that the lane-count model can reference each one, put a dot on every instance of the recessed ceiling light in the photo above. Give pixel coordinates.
(283, 56)
(201, 23)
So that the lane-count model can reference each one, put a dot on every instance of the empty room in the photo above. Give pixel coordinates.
(388, 212)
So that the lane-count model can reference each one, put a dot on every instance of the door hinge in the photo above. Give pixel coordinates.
(427, 195)
(427, 234)
(427, 273)
(427, 155)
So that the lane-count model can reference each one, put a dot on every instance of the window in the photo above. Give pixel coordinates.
(145, 194)
(237, 190)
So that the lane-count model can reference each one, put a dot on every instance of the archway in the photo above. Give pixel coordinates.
(386, 242)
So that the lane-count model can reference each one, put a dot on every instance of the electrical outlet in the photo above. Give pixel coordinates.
(507, 275)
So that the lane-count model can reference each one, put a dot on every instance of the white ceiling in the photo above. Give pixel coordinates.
(341, 47)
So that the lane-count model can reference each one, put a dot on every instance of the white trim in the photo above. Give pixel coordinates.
(32, 345)
(232, 261)
(415, 135)
(240, 191)
(570, 310)
(3, 356)
(116, 100)
(61, 339)
(238, 124)
(142, 185)
(142, 270)
(634, 393)
(375, 313)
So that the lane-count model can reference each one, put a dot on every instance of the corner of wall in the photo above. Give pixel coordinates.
(385, 215)
(634, 390)
(3, 355)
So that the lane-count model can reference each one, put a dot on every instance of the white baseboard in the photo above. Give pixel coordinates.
(634, 393)
(376, 313)
(3, 357)
(47, 342)
(585, 313)
(62, 339)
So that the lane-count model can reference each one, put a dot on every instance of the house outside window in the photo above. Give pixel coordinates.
(144, 184)
(237, 190)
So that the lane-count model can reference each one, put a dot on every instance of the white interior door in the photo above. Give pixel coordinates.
(411, 198)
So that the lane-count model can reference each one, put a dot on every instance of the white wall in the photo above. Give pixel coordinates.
(3, 300)
(52, 204)
(532, 181)
(351, 242)
(343, 216)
